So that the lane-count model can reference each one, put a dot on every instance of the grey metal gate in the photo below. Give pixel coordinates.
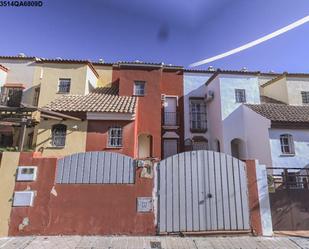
(96, 167)
(202, 191)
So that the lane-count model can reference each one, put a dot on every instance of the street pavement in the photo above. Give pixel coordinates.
(124, 242)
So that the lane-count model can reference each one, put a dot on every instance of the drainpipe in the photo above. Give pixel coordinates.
(22, 134)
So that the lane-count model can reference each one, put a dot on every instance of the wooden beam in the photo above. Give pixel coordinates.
(58, 114)
(50, 117)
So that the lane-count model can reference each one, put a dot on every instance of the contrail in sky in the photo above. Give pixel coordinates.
(253, 43)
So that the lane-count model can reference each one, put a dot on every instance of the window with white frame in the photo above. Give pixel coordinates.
(305, 97)
(23, 198)
(240, 95)
(26, 173)
(115, 136)
(64, 85)
(59, 132)
(139, 88)
(198, 115)
(287, 144)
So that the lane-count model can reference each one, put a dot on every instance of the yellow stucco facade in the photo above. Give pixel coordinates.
(287, 89)
(277, 90)
(105, 75)
(48, 75)
(75, 138)
(8, 166)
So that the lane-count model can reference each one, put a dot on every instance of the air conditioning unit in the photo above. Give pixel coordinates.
(209, 96)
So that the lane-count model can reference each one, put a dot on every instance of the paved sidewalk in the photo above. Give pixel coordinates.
(122, 242)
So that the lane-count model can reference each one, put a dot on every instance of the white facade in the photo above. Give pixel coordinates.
(301, 147)
(20, 71)
(194, 86)
(3, 75)
(225, 117)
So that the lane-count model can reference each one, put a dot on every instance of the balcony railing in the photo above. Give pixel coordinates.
(170, 119)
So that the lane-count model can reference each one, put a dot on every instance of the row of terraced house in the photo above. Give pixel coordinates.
(149, 111)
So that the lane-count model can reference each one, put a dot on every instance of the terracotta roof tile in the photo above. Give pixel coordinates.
(282, 112)
(102, 99)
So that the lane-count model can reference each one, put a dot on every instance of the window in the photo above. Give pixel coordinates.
(58, 135)
(305, 97)
(26, 173)
(23, 198)
(199, 143)
(197, 115)
(240, 95)
(115, 137)
(287, 144)
(139, 88)
(64, 85)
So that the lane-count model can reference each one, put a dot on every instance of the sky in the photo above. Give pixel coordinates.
(170, 31)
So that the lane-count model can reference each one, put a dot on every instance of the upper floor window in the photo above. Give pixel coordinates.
(59, 132)
(305, 97)
(240, 95)
(64, 85)
(115, 137)
(139, 88)
(287, 144)
(198, 115)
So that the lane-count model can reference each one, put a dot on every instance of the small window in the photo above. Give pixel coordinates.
(198, 121)
(305, 97)
(23, 198)
(115, 137)
(59, 135)
(287, 144)
(26, 173)
(64, 85)
(139, 88)
(240, 95)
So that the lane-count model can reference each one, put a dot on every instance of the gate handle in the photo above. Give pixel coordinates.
(209, 195)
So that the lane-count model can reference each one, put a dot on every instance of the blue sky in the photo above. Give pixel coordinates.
(169, 31)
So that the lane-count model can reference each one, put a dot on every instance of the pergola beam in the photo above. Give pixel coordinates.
(50, 117)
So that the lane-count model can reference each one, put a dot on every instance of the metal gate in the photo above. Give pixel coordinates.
(289, 198)
(202, 191)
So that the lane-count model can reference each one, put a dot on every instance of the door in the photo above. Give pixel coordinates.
(202, 191)
(170, 111)
(170, 147)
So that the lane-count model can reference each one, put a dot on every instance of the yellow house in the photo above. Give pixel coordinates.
(289, 88)
(66, 77)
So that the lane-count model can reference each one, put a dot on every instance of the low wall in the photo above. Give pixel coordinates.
(260, 214)
(83, 209)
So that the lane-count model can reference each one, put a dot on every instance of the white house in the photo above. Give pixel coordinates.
(225, 111)
(209, 101)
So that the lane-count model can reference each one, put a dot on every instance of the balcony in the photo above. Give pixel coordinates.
(170, 119)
